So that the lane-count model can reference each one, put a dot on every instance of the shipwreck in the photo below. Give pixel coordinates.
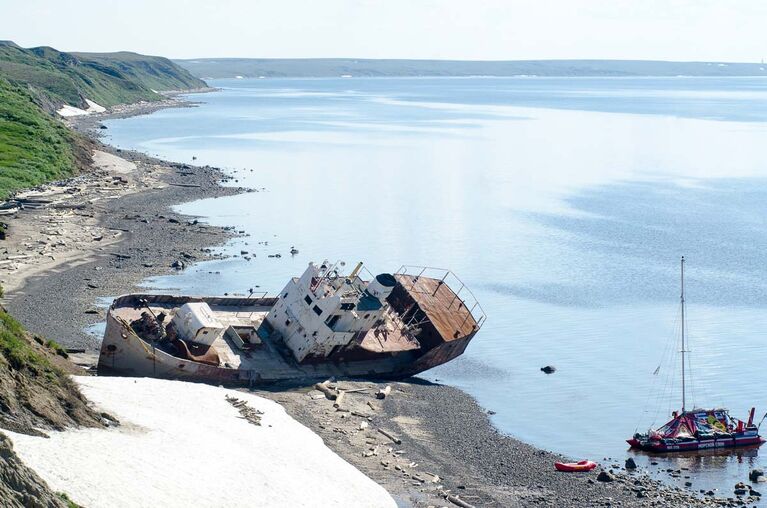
(322, 324)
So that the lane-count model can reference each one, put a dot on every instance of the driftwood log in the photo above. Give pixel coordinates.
(391, 436)
(323, 387)
(339, 399)
(458, 501)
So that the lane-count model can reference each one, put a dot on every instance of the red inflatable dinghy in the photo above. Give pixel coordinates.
(571, 467)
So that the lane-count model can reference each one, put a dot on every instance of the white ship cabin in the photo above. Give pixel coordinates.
(323, 311)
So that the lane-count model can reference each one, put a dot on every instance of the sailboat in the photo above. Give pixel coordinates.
(697, 428)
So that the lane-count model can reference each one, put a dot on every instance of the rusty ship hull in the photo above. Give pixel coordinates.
(423, 323)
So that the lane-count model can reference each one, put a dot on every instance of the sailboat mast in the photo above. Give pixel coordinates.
(683, 345)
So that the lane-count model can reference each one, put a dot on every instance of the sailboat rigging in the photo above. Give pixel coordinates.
(698, 428)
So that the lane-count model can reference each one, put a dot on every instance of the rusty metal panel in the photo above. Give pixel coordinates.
(446, 311)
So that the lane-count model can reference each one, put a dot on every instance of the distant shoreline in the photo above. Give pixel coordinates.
(220, 68)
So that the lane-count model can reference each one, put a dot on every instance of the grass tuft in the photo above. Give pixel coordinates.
(70, 503)
(18, 351)
(57, 348)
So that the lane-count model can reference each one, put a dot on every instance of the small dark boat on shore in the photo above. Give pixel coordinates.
(697, 429)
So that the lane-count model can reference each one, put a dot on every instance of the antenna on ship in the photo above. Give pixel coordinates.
(683, 344)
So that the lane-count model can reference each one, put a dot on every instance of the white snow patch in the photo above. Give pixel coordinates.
(182, 444)
(94, 108)
(66, 110)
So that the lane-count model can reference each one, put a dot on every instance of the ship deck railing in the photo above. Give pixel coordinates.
(449, 278)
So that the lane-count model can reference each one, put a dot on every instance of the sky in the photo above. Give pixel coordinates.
(688, 30)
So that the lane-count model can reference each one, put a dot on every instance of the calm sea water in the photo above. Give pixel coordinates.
(565, 204)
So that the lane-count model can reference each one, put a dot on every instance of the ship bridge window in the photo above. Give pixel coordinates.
(332, 320)
(347, 306)
(317, 310)
(308, 300)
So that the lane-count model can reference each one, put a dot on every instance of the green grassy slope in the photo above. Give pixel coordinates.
(34, 146)
(105, 78)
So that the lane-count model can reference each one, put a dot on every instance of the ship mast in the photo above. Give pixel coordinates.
(683, 344)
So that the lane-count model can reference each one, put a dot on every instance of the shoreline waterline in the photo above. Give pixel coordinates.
(182, 288)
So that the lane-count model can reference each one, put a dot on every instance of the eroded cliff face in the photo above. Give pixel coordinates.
(36, 394)
(20, 486)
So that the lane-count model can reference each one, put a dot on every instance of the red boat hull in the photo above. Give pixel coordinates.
(573, 467)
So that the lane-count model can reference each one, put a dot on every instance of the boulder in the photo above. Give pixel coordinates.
(755, 474)
(604, 476)
(630, 463)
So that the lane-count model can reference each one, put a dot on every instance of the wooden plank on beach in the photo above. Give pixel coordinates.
(339, 399)
(391, 436)
(458, 501)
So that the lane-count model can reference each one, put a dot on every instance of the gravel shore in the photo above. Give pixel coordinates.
(152, 238)
(447, 452)
(443, 431)
(143, 237)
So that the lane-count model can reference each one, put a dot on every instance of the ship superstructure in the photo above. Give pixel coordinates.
(323, 323)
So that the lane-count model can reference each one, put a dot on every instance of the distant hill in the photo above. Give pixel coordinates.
(334, 67)
(35, 146)
(57, 78)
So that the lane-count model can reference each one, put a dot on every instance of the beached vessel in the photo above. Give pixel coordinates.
(697, 429)
(322, 324)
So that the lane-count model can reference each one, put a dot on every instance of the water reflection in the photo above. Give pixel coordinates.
(564, 204)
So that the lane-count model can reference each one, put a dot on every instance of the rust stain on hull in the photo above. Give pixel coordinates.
(428, 324)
